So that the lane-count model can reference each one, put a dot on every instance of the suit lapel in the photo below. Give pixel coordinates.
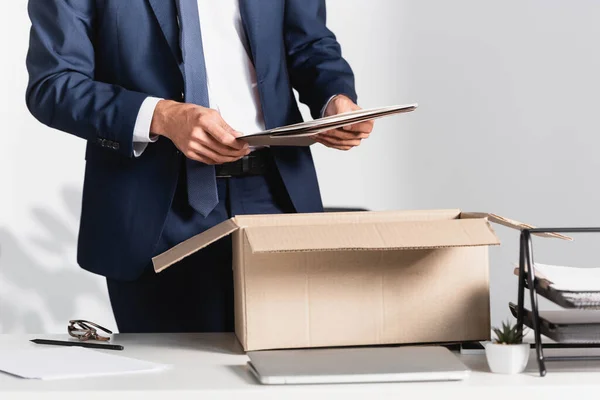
(166, 14)
(251, 20)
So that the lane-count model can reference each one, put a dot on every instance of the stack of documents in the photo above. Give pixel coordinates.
(569, 287)
(301, 134)
(577, 290)
(569, 279)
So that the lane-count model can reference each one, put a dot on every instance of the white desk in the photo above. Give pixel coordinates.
(213, 366)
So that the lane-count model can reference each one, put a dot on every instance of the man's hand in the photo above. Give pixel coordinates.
(346, 137)
(198, 132)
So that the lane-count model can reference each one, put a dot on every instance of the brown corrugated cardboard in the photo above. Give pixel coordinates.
(361, 278)
(370, 236)
(497, 219)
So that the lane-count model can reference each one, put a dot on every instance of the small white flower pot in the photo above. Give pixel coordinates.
(507, 358)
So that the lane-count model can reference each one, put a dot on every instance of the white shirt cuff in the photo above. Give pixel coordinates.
(141, 130)
(327, 105)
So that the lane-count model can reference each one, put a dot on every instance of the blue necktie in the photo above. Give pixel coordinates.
(201, 179)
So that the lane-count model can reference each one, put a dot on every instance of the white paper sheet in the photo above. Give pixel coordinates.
(70, 362)
(571, 279)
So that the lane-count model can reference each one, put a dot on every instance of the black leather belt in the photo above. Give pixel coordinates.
(255, 163)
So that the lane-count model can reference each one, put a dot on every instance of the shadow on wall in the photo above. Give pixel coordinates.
(43, 292)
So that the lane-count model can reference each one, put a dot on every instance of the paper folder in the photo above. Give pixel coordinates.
(302, 134)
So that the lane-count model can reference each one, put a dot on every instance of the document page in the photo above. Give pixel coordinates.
(70, 362)
(570, 279)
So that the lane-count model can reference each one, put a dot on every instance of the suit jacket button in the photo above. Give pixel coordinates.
(182, 96)
(115, 146)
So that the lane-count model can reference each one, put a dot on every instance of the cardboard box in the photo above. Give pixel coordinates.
(361, 278)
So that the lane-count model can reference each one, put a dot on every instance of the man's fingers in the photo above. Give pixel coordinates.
(344, 135)
(192, 155)
(235, 134)
(224, 134)
(361, 127)
(213, 157)
(219, 148)
(338, 144)
(345, 148)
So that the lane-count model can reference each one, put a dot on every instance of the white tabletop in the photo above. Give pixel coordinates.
(213, 366)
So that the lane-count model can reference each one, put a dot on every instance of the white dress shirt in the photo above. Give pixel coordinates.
(231, 77)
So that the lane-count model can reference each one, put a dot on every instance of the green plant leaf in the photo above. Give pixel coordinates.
(508, 333)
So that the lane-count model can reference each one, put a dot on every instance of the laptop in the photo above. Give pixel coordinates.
(356, 365)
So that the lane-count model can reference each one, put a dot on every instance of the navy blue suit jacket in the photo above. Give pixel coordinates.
(92, 63)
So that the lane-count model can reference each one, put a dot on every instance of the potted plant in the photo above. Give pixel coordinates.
(507, 354)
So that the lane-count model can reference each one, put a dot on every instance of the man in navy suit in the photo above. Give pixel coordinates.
(160, 90)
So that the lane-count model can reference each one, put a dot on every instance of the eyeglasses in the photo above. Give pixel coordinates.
(86, 330)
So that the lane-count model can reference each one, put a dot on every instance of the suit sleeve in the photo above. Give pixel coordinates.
(62, 92)
(317, 69)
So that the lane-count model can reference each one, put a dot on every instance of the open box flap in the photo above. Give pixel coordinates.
(352, 231)
(352, 217)
(497, 219)
(192, 245)
(371, 236)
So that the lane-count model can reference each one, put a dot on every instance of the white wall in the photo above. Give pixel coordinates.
(41, 173)
(508, 118)
(507, 123)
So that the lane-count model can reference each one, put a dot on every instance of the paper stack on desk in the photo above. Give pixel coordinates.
(569, 287)
(569, 279)
(302, 134)
(70, 362)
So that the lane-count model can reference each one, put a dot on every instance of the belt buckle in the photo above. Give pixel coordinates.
(245, 165)
(220, 174)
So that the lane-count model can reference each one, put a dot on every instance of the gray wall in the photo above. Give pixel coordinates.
(507, 123)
